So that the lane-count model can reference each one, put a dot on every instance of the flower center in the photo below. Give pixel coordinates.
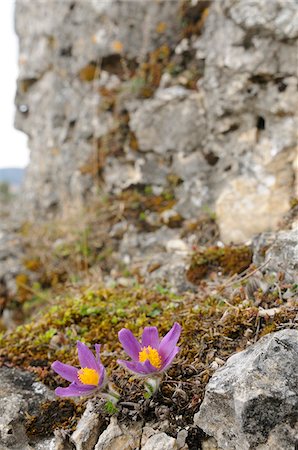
(88, 376)
(151, 354)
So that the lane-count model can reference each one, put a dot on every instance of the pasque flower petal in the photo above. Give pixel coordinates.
(168, 361)
(152, 356)
(86, 357)
(135, 367)
(129, 343)
(92, 371)
(150, 337)
(66, 371)
(168, 343)
(102, 376)
(75, 390)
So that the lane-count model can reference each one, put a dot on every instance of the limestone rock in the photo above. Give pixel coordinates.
(58, 98)
(160, 441)
(273, 18)
(278, 252)
(168, 270)
(118, 438)
(72, 34)
(252, 178)
(236, 129)
(209, 444)
(119, 176)
(139, 244)
(155, 122)
(246, 207)
(282, 256)
(61, 441)
(260, 245)
(88, 429)
(19, 394)
(11, 255)
(254, 396)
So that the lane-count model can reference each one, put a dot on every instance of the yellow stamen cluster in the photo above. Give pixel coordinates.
(88, 376)
(151, 354)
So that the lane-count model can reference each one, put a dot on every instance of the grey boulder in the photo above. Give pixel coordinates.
(252, 401)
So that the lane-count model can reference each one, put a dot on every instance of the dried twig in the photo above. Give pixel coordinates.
(230, 282)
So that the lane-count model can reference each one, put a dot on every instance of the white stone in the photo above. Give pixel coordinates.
(160, 441)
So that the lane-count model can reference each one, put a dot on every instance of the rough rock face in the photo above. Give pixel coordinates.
(252, 402)
(58, 106)
(20, 395)
(220, 130)
(281, 252)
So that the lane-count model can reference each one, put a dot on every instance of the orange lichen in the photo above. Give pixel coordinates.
(89, 72)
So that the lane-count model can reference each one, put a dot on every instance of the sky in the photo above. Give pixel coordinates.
(13, 149)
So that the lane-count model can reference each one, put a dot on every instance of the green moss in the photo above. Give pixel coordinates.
(228, 260)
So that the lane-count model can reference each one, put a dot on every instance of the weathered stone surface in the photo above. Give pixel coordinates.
(278, 252)
(72, 34)
(247, 206)
(57, 105)
(255, 144)
(254, 396)
(10, 261)
(134, 245)
(168, 270)
(118, 438)
(61, 441)
(160, 441)
(282, 256)
(19, 394)
(173, 121)
(230, 143)
(209, 444)
(278, 18)
(88, 429)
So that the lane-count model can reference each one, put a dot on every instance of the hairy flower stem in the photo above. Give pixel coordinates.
(151, 386)
(111, 395)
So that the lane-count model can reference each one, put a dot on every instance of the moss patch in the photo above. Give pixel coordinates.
(140, 201)
(228, 260)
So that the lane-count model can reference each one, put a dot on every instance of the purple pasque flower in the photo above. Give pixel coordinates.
(152, 355)
(85, 381)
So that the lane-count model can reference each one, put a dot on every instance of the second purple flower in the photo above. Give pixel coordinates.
(152, 355)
